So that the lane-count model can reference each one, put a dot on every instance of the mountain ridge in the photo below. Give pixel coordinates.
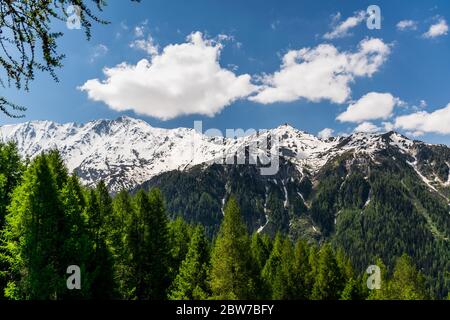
(126, 152)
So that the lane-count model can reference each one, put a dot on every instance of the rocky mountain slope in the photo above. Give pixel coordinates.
(127, 152)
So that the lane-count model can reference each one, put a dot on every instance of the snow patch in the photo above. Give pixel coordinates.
(260, 229)
(424, 179)
(286, 197)
(448, 179)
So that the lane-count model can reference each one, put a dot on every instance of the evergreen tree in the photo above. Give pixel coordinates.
(33, 238)
(77, 244)
(302, 271)
(59, 170)
(407, 283)
(232, 269)
(122, 214)
(190, 283)
(377, 294)
(179, 236)
(277, 272)
(329, 280)
(11, 169)
(350, 291)
(149, 247)
(261, 248)
(100, 265)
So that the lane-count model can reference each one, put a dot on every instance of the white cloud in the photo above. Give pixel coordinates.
(415, 133)
(147, 45)
(139, 31)
(407, 25)
(367, 127)
(321, 73)
(341, 29)
(183, 79)
(422, 121)
(388, 126)
(372, 106)
(325, 133)
(437, 30)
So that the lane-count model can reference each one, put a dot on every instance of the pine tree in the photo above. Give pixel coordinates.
(149, 247)
(59, 170)
(351, 289)
(271, 272)
(190, 283)
(180, 233)
(11, 169)
(105, 214)
(32, 239)
(77, 245)
(232, 270)
(160, 245)
(278, 272)
(407, 283)
(122, 214)
(100, 266)
(329, 280)
(302, 270)
(377, 294)
(261, 248)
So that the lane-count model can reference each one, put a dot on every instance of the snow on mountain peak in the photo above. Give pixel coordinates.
(126, 152)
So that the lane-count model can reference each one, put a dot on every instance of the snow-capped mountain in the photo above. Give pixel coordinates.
(127, 152)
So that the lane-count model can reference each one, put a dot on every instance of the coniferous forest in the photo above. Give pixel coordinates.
(127, 248)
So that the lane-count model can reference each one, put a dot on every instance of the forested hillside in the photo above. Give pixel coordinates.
(369, 204)
(127, 247)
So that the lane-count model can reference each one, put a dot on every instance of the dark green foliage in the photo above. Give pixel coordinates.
(180, 234)
(232, 269)
(126, 248)
(100, 265)
(122, 213)
(195, 197)
(148, 245)
(354, 191)
(391, 224)
(278, 271)
(191, 281)
(302, 271)
(199, 195)
(329, 281)
(44, 235)
(11, 169)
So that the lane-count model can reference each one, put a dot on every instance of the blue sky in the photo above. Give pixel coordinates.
(411, 79)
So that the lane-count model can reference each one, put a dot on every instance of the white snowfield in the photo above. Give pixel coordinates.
(127, 152)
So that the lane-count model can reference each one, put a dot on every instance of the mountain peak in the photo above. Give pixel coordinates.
(127, 119)
(126, 151)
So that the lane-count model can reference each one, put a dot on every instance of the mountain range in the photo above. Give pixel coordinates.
(372, 194)
(127, 152)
